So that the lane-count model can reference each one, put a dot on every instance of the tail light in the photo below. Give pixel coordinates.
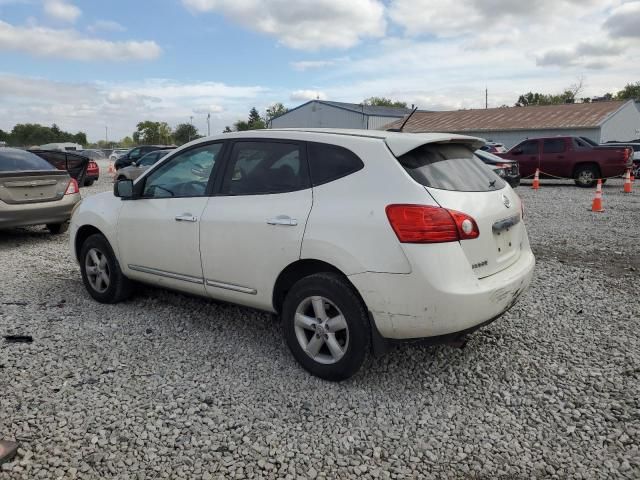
(72, 188)
(429, 224)
(627, 154)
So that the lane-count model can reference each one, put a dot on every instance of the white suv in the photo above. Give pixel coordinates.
(356, 238)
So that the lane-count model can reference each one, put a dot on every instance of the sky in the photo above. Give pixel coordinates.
(103, 66)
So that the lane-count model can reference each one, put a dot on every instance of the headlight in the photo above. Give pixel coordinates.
(500, 172)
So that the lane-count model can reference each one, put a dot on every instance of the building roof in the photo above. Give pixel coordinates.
(575, 115)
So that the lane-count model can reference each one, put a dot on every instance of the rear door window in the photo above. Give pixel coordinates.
(330, 162)
(555, 145)
(450, 167)
(262, 167)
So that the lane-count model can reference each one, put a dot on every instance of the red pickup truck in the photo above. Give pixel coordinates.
(570, 157)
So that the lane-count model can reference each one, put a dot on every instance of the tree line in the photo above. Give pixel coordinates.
(572, 93)
(34, 134)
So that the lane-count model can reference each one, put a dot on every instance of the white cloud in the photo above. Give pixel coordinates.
(208, 109)
(72, 45)
(61, 10)
(105, 26)
(304, 65)
(89, 107)
(304, 24)
(305, 95)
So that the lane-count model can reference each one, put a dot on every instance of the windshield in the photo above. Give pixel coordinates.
(450, 167)
(14, 160)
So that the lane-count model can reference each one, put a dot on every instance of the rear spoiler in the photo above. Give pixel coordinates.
(406, 142)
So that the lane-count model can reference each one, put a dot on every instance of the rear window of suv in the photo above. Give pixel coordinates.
(450, 167)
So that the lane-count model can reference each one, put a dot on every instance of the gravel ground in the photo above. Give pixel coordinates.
(169, 386)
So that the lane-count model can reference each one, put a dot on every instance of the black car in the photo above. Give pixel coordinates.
(135, 154)
(506, 169)
(73, 163)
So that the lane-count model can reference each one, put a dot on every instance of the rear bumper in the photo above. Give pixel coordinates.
(442, 297)
(24, 215)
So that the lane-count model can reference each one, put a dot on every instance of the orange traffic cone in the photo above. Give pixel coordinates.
(627, 182)
(536, 180)
(596, 206)
(112, 170)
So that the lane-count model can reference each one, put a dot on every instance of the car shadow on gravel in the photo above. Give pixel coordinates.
(14, 237)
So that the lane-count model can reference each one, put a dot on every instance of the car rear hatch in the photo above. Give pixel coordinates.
(32, 187)
(459, 181)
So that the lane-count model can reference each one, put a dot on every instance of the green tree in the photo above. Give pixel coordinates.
(127, 142)
(227, 129)
(4, 136)
(630, 92)
(241, 126)
(255, 121)
(383, 102)
(184, 133)
(152, 132)
(275, 110)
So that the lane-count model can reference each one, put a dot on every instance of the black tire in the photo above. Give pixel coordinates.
(586, 176)
(120, 287)
(88, 183)
(338, 291)
(57, 228)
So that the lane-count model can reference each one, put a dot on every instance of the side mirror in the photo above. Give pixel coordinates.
(123, 189)
(518, 151)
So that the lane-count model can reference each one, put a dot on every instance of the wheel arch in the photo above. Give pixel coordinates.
(589, 163)
(82, 234)
(298, 270)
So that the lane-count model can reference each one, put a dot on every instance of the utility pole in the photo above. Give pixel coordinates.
(106, 136)
(486, 98)
(209, 124)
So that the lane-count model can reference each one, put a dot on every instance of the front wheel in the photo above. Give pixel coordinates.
(326, 326)
(101, 272)
(586, 176)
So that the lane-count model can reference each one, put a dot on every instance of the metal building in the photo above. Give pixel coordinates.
(326, 114)
(599, 121)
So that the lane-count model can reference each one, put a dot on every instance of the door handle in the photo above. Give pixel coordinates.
(186, 217)
(283, 220)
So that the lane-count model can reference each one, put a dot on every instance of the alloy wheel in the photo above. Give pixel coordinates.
(97, 269)
(321, 330)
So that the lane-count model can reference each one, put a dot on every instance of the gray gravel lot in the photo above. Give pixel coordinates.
(168, 386)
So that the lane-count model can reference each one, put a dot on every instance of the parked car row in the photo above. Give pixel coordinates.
(135, 154)
(356, 239)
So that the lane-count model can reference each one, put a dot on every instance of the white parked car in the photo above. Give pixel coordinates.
(356, 238)
(116, 154)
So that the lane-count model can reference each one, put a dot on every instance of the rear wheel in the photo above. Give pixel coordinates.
(58, 228)
(326, 326)
(101, 272)
(586, 176)
(88, 183)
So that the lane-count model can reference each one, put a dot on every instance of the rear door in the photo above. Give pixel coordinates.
(553, 159)
(457, 180)
(253, 228)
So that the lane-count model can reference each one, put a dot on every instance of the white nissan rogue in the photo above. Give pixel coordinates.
(355, 238)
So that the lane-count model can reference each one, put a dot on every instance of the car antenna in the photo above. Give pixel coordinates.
(403, 123)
